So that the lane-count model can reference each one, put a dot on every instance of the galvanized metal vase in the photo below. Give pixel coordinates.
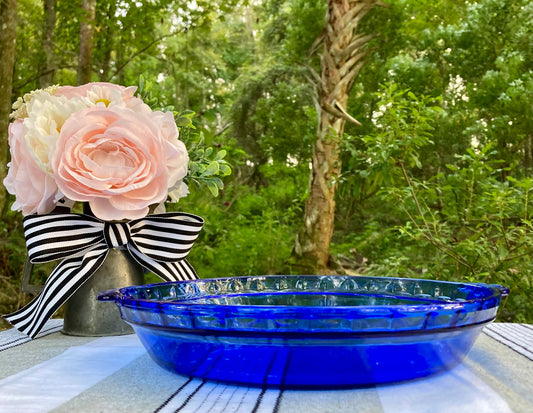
(86, 316)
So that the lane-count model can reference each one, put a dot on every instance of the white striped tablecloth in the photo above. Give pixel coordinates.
(58, 373)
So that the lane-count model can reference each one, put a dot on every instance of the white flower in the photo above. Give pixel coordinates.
(376, 115)
(101, 95)
(106, 94)
(457, 89)
(178, 191)
(46, 116)
(45, 138)
(20, 106)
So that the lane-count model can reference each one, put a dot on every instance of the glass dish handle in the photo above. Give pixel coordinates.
(113, 295)
(504, 291)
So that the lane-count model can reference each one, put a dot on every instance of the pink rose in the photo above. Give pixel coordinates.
(177, 160)
(35, 191)
(118, 160)
(81, 91)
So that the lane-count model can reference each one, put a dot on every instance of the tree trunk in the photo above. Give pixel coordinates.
(48, 69)
(108, 42)
(343, 56)
(85, 56)
(120, 63)
(8, 23)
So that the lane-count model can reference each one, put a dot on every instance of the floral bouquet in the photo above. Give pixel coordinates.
(100, 145)
(96, 143)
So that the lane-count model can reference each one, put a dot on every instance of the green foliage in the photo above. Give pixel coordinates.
(402, 126)
(463, 222)
(249, 231)
(478, 226)
(12, 256)
(28, 38)
(206, 164)
(436, 183)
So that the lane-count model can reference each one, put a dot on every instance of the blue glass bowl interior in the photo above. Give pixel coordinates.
(308, 331)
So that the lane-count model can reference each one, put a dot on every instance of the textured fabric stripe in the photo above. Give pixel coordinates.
(189, 397)
(167, 401)
(279, 397)
(47, 385)
(515, 336)
(13, 338)
(264, 389)
(463, 386)
(182, 396)
(215, 397)
(199, 396)
(470, 387)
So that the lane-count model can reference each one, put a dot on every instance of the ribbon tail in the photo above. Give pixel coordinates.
(65, 279)
(169, 271)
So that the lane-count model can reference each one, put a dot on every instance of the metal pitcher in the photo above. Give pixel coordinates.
(84, 315)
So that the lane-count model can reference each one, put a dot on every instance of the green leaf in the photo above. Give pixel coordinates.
(188, 113)
(213, 187)
(183, 121)
(212, 169)
(224, 169)
(193, 168)
(141, 84)
(220, 155)
(218, 182)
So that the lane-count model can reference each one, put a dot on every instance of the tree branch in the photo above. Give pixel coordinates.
(337, 110)
(359, 42)
(316, 44)
(347, 66)
(137, 53)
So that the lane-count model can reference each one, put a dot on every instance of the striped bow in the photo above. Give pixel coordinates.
(158, 242)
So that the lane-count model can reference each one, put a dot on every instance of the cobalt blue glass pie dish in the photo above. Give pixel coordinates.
(308, 331)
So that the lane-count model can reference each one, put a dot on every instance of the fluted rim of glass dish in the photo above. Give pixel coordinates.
(474, 303)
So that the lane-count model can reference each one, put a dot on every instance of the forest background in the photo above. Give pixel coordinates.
(433, 175)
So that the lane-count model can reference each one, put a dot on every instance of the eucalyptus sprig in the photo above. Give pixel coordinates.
(206, 164)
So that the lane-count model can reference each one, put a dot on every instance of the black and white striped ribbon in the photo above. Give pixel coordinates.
(158, 242)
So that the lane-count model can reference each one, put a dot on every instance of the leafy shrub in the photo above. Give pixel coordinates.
(470, 222)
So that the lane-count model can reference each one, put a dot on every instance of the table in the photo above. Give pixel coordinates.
(58, 373)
